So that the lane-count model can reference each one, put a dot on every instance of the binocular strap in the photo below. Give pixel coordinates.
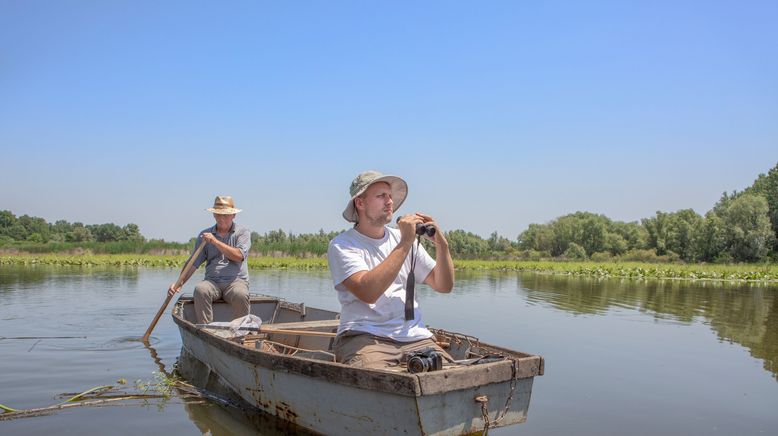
(411, 284)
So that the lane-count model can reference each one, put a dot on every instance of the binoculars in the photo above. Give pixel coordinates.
(425, 229)
(422, 228)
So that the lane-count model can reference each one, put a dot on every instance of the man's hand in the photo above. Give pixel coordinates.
(439, 239)
(441, 278)
(172, 290)
(209, 238)
(407, 226)
(232, 253)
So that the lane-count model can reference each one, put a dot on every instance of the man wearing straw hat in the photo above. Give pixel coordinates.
(226, 266)
(380, 320)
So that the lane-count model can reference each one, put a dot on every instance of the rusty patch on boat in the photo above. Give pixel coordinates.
(256, 393)
(285, 412)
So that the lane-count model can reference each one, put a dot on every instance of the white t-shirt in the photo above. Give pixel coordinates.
(351, 252)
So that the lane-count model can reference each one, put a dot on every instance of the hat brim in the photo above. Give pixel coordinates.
(399, 193)
(228, 211)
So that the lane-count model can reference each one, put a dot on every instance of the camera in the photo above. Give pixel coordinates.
(425, 229)
(424, 360)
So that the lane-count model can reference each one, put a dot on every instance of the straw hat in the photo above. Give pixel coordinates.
(223, 205)
(364, 180)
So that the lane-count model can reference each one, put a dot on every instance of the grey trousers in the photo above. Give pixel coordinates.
(236, 293)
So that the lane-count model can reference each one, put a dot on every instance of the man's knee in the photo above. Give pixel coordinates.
(237, 291)
(203, 291)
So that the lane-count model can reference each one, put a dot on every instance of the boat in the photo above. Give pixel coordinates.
(286, 367)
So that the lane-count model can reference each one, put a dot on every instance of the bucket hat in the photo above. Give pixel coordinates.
(363, 181)
(223, 205)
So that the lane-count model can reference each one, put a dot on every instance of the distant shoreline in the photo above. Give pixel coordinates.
(762, 273)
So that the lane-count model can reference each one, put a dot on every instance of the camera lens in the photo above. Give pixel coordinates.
(417, 364)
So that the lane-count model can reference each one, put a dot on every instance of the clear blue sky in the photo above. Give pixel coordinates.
(498, 114)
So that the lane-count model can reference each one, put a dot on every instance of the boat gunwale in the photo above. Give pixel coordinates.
(401, 383)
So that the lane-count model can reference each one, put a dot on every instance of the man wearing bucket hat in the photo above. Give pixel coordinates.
(371, 265)
(226, 266)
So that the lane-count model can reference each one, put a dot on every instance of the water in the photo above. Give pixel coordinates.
(622, 356)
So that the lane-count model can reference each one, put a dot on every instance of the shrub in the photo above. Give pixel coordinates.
(575, 252)
(602, 256)
(639, 255)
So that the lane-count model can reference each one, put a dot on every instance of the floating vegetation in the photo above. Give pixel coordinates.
(162, 261)
(160, 389)
(638, 270)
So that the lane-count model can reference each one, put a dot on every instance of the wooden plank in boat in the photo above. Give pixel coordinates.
(303, 325)
(436, 382)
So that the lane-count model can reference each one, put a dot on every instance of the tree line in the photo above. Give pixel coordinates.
(741, 227)
(37, 230)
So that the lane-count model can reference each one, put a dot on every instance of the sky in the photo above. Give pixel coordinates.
(498, 114)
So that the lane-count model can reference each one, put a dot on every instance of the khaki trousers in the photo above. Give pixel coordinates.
(364, 350)
(236, 293)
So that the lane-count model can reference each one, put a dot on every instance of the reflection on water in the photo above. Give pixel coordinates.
(743, 313)
(233, 416)
(31, 277)
(225, 413)
(658, 357)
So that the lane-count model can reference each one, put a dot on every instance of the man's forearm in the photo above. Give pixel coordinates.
(370, 285)
(442, 275)
(233, 253)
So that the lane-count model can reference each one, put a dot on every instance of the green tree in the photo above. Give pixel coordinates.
(767, 187)
(615, 244)
(17, 232)
(466, 245)
(656, 228)
(35, 225)
(132, 233)
(593, 233)
(633, 234)
(537, 237)
(710, 238)
(499, 246)
(674, 232)
(79, 234)
(7, 219)
(108, 232)
(748, 228)
(61, 227)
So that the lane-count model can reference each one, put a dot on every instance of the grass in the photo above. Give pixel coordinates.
(638, 270)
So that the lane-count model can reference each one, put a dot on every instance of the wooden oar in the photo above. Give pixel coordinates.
(179, 283)
(263, 329)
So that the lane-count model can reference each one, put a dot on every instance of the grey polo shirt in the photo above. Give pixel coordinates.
(219, 268)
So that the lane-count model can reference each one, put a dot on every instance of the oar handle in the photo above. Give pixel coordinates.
(179, 283)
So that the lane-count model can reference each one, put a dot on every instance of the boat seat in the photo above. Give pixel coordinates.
(327, 324)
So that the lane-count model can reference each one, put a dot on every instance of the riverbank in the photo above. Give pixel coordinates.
(637, 270)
